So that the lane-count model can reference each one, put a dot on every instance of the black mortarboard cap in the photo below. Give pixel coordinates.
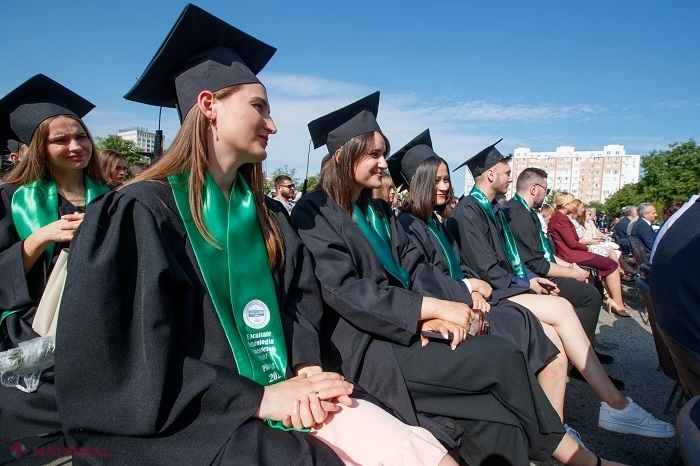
(404, 163)
(23, 109)
(484, 160)
(201, 52)
(338, 127)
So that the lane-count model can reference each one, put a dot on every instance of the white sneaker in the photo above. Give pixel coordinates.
(633, 419)
(575, 435)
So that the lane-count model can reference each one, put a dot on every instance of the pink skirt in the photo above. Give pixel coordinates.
(364, 434)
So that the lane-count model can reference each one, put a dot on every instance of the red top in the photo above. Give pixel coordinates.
(566, 240)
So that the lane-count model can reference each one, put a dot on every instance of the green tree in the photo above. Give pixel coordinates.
(549, 200)
(285, 170)
(123, 146)
(629, 194)
(668, 175)
(269, 183)
(312, 182)
(671, 174)
(599, 206)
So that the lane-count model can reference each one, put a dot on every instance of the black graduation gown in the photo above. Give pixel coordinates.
(18, 290)
(507, 319)
(370, 327)
(478, 243)
(584, 297)
(143, 366)
(24, 416)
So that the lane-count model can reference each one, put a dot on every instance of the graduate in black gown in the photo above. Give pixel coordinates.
(41, 206)
(195, 341)
(43, 197)
(487, 244)
(421, 172)
(381, 293)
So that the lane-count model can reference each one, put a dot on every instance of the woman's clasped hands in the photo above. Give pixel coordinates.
(305, 400)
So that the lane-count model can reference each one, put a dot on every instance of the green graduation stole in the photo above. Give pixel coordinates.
(544, 244)
(376, 229)
(438, 230)
(505, 235)
(237, 275)
(35, 205)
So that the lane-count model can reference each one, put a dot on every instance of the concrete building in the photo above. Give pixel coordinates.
(145, 141)
(591, 175)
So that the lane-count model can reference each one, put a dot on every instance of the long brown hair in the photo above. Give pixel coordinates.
(188, 151)
(421, 195)
(338, 180)
(34, 165)
(108, 160)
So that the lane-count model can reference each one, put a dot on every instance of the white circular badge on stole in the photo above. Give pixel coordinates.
(256, 314)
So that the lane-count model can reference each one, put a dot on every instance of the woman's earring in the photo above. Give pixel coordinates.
(209, 127)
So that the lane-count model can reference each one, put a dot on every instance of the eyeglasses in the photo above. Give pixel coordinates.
(546, 190)
(288, 186)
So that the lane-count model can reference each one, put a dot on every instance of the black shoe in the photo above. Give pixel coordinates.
(575, 374)
(605, 358)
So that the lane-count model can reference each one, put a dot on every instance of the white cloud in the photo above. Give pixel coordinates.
(674, 104)
(459, 127)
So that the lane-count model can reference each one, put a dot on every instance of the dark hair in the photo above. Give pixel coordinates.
(671, 209)
(338, 180)
(280, 179)
(528, 177)
(421, 196)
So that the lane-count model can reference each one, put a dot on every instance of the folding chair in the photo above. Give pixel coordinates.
(665, 361)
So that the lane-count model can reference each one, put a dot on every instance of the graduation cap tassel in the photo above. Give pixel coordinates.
(158, 143)
(306, 177)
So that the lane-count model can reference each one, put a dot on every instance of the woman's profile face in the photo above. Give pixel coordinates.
(581, 209)
(442, 185)
(368, 170)
(243, 124)
(68, 145)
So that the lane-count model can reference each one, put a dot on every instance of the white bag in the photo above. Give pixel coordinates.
(47, 313)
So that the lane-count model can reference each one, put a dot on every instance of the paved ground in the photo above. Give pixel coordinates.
(630, 341)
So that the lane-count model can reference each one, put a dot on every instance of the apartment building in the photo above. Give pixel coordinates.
(590, 175)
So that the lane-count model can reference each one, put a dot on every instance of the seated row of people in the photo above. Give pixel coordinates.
(193, 327)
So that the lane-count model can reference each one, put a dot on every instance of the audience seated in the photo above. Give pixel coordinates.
(570, 249)
(642, 228)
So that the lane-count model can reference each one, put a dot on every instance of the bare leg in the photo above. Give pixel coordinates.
(613, 286)
(552, 377)
(571, 453)
(558, 313)
(447, 461)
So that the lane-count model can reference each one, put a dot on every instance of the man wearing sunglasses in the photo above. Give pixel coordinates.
(285, 192)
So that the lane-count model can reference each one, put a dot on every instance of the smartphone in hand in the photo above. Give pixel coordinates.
(437, 336)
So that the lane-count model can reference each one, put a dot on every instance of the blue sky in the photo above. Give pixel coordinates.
(539, 74)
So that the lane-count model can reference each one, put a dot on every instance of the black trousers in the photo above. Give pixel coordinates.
(486, 386)
(585, 299)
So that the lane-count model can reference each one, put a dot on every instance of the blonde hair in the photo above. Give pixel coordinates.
(35, 165)
(188, 151)
(385, 191)
(560, 200)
